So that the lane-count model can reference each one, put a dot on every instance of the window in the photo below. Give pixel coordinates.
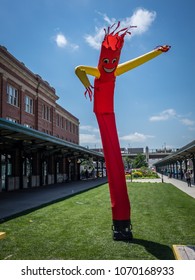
(43, 109)
(62, 122)
(46, 113)
(59, 121)
(12, 95)
(28, 125)
(66, 124)
(73, 128)
(28, 105)
(11, 120)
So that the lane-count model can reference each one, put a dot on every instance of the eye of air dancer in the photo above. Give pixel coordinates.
(105, 75)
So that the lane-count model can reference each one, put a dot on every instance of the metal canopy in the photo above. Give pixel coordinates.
(186, 152)
(14, 135)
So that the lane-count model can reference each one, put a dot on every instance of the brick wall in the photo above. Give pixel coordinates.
(43, 113)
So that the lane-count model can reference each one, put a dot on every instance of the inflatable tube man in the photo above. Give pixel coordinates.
(105, 75)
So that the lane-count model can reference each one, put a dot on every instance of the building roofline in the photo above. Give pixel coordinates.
(25, 68)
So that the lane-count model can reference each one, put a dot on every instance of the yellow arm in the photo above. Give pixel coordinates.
(126, 66)
(82, 71)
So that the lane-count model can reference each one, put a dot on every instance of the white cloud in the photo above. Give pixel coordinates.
(89, 128)
(74, 47)
(187, 122)
(62, 42)
(164, 115)
(141, 18)
(93, 139)
(95, 40)
(92, 136)
(136, 137)
(192, 128)
(89, 136)
(89, 139)
(170, 114)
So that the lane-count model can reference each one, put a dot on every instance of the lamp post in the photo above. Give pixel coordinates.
(162, 177)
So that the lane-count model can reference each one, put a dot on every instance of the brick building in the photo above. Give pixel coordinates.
(39, 139)
(29, 100)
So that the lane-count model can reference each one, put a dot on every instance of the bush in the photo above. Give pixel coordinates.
(137, 174)
(143, 172)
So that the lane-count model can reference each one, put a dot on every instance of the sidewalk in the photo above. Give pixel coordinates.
(16, 203)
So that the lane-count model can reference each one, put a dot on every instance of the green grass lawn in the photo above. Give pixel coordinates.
(80, 227)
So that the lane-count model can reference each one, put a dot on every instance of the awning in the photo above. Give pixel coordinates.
(14, 135)
(186, 152)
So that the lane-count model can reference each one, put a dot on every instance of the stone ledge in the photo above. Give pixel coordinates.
(2, 235)
(184, 252)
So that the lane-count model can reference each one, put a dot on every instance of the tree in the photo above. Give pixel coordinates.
(140, 161)
(127, 162)
(87, 163)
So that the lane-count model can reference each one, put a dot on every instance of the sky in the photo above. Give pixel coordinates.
(154, 103)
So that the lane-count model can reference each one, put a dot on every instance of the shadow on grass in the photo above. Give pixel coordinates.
(160, 251)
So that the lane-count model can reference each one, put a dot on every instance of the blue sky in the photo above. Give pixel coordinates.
(154, 103)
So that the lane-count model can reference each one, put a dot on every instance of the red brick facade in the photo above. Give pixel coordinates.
(27, 99)
(30, 157)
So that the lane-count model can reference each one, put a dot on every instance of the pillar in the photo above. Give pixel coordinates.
(193, 164)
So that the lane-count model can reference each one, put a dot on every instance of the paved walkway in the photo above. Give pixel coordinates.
(16, 203)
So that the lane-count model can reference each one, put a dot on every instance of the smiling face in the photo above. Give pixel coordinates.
(108, 63)
(110, 51)
(109, 66)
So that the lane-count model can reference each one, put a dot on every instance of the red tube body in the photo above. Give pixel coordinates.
(104, 111)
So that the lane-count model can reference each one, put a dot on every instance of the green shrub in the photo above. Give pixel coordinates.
(137, 174)
(143, 172)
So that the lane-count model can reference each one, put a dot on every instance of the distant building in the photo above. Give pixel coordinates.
(135, 151)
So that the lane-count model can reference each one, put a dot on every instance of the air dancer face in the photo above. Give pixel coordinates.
(108, 63)
(110, 52)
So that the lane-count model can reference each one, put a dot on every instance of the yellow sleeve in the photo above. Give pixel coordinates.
(82, 71)
(126, 66)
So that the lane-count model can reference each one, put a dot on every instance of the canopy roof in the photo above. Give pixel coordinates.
(186, 152)
(14, 135)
